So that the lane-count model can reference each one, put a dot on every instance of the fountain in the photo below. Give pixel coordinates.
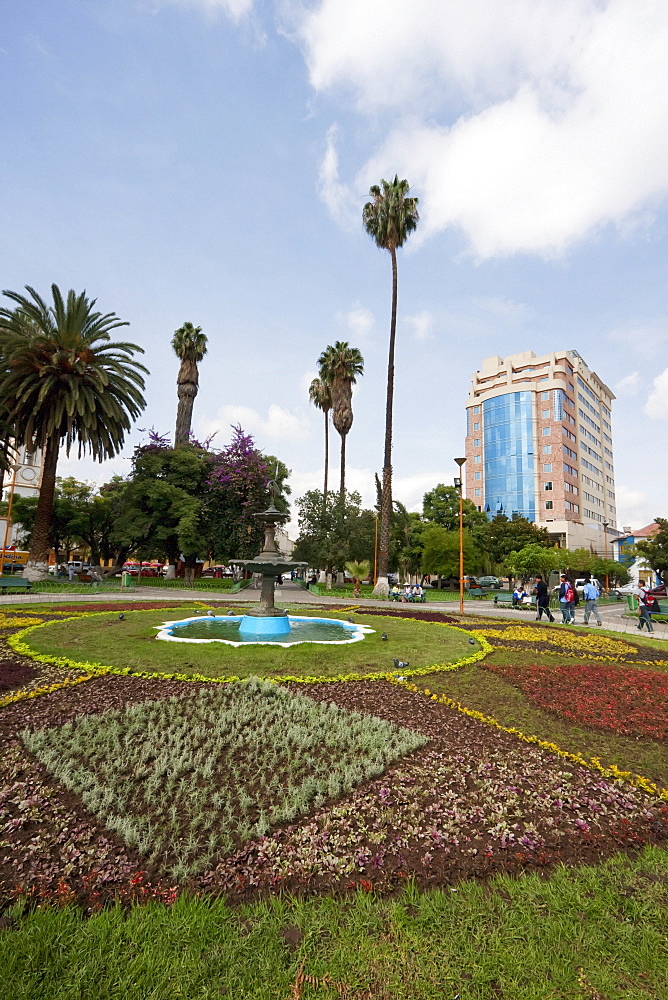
(267, 624)
(268, 620)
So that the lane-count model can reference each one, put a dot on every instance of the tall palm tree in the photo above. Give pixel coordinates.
(389, 218)
(320, 394)
(189, 345)
(339, 367)
(65, 382)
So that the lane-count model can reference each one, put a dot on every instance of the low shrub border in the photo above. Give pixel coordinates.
(19, 645)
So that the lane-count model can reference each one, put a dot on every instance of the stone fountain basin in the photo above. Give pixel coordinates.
(269, 631)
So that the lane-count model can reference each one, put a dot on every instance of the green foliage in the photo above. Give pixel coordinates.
(503, 536)
(187, 778)
(441, 506)
(655, 549)
(82, 515)
(63, 378)
(441, 551)
(331, 533)
(534, 559)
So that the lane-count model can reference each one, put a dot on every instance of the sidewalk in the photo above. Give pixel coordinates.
(291, 593)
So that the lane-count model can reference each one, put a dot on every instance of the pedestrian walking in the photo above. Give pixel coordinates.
(646, 602)
(70, 571)
(542, 599)
(591, 594)
(567, 600)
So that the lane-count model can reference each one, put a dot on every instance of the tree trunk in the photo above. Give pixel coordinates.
(324, 489)
(37, 566)
(382, 588)
(186, 392)
(342, 487)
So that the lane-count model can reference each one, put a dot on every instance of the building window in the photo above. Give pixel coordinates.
(545, 414)
(548, 486)
(476, 409)
(477, 475)
(544, 395)
(476, 427)
(547, 467)
(477, 493)
(476, 442)
(477, 459)
(548, 505)
(547, 449)
(546, 432)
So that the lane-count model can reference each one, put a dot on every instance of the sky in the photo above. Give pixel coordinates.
(208, 161)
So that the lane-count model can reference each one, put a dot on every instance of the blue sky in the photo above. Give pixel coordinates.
(208, 160)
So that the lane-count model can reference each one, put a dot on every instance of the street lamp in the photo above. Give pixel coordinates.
(605, 551)
(458, 485)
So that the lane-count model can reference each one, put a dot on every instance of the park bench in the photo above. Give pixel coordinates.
(408, 598)
(480, 592)
(507, 598)
(14, 583)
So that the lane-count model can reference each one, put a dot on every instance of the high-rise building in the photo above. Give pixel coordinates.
(539, 443)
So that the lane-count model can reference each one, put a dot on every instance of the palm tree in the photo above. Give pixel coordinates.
(358, 571)
(189, 345)
(389, 218)
(65, 382)
(320, 394)
(339, 367)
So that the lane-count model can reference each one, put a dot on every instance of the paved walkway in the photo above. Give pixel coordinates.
(291, 593)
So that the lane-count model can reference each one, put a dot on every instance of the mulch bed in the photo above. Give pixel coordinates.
(427, 817)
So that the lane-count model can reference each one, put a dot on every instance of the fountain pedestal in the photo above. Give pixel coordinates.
(267, 619)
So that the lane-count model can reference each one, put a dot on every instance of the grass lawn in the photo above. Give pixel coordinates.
(583, 934)
(131, 643)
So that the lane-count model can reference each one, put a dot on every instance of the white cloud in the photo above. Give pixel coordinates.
(421, 324)
(635, 508)
(657, 401)
(279, 424)
(337, 197)
(526, 124)
(359, 320)
(629, 385)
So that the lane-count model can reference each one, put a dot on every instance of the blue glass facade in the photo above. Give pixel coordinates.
(508, 455)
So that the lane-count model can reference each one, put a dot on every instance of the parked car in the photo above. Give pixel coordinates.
(490, 581)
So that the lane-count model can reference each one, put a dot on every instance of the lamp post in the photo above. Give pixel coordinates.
(458, 484)
(605, 553)
(375, 551)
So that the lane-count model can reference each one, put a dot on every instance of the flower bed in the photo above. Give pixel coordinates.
(473, 801)
(597, 695)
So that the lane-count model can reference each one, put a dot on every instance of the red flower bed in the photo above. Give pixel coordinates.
(630, 702)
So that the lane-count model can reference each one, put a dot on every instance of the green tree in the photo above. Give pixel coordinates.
(331, 534)
(406, 542)
(339, 367)
(503, 536)
(440, 555)
(441, 506)
(655, 549)
(532, 560)
(189, 345)
(358, 571)
(64, 382)
(161, 511)
(389, 218)
(320, 394)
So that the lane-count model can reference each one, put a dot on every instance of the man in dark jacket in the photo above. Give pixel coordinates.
(542, 599)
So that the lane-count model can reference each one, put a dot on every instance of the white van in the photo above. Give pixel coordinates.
(580, 583)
